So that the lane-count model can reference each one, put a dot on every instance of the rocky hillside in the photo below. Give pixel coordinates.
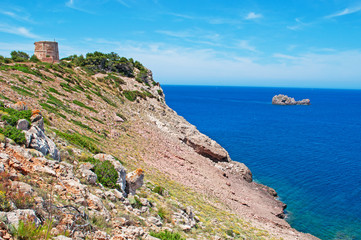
(90, 150)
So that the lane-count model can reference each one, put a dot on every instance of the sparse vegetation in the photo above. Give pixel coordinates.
(79, 140)
(27, 230)
(167, 235)
(84, 106)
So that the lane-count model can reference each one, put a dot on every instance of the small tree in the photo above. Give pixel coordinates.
(34, 59)
(19, 56)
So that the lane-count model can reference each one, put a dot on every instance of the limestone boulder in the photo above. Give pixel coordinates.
(23, 124)
(134, 181)
(12, 218)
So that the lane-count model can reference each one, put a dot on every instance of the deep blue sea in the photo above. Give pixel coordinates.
(311, 155)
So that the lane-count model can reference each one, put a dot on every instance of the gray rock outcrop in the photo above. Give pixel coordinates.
(36, 138)
(286, 100)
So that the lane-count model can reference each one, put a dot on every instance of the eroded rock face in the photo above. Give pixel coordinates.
(285, 100)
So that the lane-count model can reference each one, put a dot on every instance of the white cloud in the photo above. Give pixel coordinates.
(253, 15)
(344, 12)
(21, 31)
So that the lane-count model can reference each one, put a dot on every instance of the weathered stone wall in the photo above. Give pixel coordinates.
(47, 51)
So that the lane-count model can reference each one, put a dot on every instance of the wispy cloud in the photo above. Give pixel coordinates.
(245, 45)
(285, 56)
(253, 15)
(71, 4)
(210, 20)
(344, 12)
(299, 25)
(123, 3)
(19, 16)
(20, 31)
(194, 36)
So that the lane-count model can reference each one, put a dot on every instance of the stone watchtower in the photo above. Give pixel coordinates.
(47, 51)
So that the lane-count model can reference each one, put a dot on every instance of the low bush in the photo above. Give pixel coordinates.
(158, 189)
(135, 202)
(106, 173)
(166, 235)
(13, 133)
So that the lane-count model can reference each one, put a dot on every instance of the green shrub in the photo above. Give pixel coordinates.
(135, 202)
(160, 92)
(34, 59)
(106, 173)
(13, 133)
(14, 115)
(166, 235)
(158, 189)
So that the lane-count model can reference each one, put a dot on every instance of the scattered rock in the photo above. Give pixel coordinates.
(155, 221)
(22, 187)
(285, 100)
(118, 119)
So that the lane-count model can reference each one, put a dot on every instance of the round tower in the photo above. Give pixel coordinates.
(47, 51)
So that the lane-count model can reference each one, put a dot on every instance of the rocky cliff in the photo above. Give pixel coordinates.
(98, 154)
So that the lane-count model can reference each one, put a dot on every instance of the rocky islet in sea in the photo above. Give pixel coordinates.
(286, 100)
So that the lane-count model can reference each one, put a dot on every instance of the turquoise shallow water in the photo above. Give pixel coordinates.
(310, 154)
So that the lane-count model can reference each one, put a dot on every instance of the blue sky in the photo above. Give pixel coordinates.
(291, 43)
